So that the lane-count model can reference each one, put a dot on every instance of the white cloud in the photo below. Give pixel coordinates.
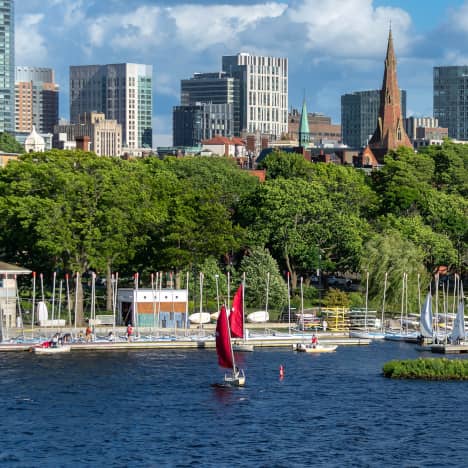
(30, 45)
(351, 28)
(200, 26)
(459, 18)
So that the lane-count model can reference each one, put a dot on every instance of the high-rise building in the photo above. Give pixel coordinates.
(36, 99)
(123, 92)
(413, 123)
(210, 105)
(7, 66)
(360, 114)
(451, 99)
(201, 121)
(263, 92)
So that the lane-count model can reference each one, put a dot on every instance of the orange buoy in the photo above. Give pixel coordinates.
(281, 371)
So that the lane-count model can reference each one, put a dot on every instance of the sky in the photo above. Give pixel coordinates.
(333, 46)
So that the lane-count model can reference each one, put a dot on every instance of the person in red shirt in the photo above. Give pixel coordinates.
(314, 341)
(129, 332)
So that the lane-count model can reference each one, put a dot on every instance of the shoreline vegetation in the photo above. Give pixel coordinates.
(427, 369)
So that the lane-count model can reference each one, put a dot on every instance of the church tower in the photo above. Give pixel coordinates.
(304, 133)
(390, 132)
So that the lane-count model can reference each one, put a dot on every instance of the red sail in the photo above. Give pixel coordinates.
(223, 340)
(236, 317)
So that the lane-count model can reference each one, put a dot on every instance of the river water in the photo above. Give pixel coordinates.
(159, 408)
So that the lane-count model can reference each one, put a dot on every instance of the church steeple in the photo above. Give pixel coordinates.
(390, 132)
(304, 133)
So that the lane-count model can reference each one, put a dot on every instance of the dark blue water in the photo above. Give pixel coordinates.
(158, 408)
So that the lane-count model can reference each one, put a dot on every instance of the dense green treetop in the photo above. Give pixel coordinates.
(8, 144)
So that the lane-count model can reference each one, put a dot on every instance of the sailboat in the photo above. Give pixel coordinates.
(426, 329)
(366, 332)
(458, 331)
(225, 352)
(236, 321)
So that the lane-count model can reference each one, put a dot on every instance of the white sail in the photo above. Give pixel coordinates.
(458, 330)
(425, 323)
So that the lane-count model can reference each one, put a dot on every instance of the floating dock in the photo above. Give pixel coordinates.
(193, 343)
(449, 348)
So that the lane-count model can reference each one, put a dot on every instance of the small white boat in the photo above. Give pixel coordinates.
(261, 316)
(242, 347)
(200, 318)
(214, 316)
(319, 348)
(50, 350)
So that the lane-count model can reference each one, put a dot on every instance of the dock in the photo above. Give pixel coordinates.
(449, 348)
(195, 342)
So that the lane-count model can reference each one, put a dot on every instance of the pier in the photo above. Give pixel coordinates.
(193, 340)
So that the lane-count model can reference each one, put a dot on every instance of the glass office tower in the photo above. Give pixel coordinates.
(7, 66)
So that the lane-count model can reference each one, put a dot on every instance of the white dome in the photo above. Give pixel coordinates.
(34, 142)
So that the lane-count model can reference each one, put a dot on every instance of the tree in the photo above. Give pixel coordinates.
(75, 209)
(257, 265)
(8, 144)
(389, 253)
(286, 165)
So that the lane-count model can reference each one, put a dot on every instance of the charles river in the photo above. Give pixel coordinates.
(160, 408)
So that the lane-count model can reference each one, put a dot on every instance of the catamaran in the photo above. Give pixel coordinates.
(225, 352)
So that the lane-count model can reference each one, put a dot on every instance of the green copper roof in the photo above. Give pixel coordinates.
(304, 133)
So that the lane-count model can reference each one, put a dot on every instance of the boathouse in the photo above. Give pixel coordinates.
(162, 308)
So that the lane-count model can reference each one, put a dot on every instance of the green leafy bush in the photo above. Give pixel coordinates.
(427, 368)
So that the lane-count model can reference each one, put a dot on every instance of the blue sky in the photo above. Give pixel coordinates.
(333, 46)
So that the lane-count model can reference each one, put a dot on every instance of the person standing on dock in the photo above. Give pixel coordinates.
(324, 325)
(88, 334)
(129, 332)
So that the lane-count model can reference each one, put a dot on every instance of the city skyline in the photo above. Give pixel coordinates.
(332, 48)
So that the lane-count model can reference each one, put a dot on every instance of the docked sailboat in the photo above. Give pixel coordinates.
(225, 351)
(236, 322)
(458, 334)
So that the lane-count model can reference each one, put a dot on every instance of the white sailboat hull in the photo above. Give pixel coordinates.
(200, 318)
(261, 316)
(235, 379)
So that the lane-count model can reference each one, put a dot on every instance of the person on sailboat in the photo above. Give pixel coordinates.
(88, 334)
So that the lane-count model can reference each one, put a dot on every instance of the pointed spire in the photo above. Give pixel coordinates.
(390, 132)
(304, 133)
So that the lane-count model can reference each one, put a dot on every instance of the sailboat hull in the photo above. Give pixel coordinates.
(235, 380)
(366, 334)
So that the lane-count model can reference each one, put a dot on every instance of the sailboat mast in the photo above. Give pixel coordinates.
(302, 302)
(383, 302)
(266, 301)
(367, 299)
(33, 303)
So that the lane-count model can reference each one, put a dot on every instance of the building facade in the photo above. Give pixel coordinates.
(36, 99)
(412, 123)
(194, 123)
(451, 99)
(7, 66)
(123, 92)
(359, 116)
(263, 92)
(105, 136)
